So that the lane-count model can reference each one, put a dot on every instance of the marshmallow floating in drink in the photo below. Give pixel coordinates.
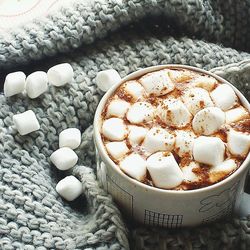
(107, 78)
(184, 141)
(134, 89)
(26, 122)
(189, 172)
(117, 108)
(117, 149)
(136, 134)
(236, 114)
(205, 82)
(14, 83)
(114, 129)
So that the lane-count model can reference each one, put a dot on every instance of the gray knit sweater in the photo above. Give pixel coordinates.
(125, 35)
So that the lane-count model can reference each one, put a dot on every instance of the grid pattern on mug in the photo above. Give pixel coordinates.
(159, 219)
(222, 213)
(125, 198)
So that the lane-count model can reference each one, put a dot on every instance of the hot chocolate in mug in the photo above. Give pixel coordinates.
(168, 208)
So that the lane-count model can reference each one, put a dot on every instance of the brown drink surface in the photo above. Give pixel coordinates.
(182, 81)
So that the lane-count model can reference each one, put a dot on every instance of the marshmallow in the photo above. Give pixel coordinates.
(188, 173)
(164, 170)
(134, 89)
(158, 139)
(26, 122)
(140, 112)
(218, 172)
(238, 143)
(196, 99)
(157, 83)
(208, 120)
(135, 166)
(117, 149)
(70, 137)
(107, 78)
(234, 115)
(208, 150)
(179, 76)
(117, 108)
(184, 143)
(114, 129)
(206, 82)
(14, 83)
(36, 84)
(60, 74)
(224, 97)
(69, 188)
(136, 135)
(174, 113)
(64, 158)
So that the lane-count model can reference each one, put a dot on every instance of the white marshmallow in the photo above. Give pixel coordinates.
(208, 120)
(135, 166)
(140, 112)
(114, 129)
(60, 74)
(107, 78)
(164, 170)
(117, 149)
(196, 99)
(238, 143)
(179, 76)
(188, 173)
(26, 122)
(234, 115)
(69, 188)
(14, 83)
(157, 83)
(208, 150)
(36, 84)
(136, 135)
(184, 143)
(173, 113)
(158, 139)
(117, 108)
(224, 97)
(218, 172)
(206, 82)
(64, 158)
(134, 89)
(70, 137)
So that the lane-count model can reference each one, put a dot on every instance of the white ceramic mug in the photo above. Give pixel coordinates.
(168, 208)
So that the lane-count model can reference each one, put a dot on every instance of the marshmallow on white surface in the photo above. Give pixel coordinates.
(209, 150)
(188, 173)
(134, 89)
(236, 114)
(114, 129)
(196, 99)
(60, 74)
(206, 82)
(224, 97)
(117, 149)
(140, 112)
(184, 141)
(26, 122)
(64, 158)
(208, 120)
(70, 137)
(173, 113)
(117, 108)
(36, 84)
(14, 83)
(135, 166)
(164, 170)
(219, 172)
(107, 78)
(136, 134)
(238, 143)
(69, 188)
(158, 139)
(157, 83)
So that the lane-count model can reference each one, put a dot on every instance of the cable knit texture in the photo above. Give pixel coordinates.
(125, 35)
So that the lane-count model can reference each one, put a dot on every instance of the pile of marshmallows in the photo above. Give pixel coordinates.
(204, 105)
(36, 84)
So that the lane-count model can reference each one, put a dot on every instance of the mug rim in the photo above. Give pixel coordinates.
(101, 148)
